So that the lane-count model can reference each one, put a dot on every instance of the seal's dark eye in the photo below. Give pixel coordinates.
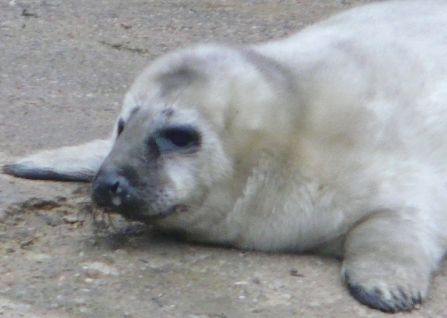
(177, 138)
(120, 127)
(182, 137)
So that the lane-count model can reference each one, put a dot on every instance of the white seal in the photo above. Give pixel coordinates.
(332, 140)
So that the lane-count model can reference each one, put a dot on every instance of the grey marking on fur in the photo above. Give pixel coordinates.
(276, 73)
(181, 76)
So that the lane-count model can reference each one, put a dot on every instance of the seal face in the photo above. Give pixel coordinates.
(160, 160)
(138, 188)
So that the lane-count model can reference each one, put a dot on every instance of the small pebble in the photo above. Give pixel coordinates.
(95, 268)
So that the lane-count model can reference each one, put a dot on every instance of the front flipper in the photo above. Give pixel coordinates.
(74, 163)
(388, 262)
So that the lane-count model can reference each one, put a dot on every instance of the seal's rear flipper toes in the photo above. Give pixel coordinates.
(75, 163)
(11, 169)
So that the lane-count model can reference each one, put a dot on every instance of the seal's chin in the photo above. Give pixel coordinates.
(176, 209)
(138, 215)
(181, 208)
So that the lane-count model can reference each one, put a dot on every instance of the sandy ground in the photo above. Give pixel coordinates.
(64, 67)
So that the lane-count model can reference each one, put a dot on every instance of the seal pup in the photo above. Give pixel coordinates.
(333, 140)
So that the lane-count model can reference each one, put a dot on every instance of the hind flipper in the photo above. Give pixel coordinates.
(74, 163)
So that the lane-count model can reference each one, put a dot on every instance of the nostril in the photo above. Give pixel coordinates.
(114, 187)
(111, 189)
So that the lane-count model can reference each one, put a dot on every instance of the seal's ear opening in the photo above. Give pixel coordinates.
(75, 163)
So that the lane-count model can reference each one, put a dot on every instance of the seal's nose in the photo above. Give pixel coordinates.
(110, 189)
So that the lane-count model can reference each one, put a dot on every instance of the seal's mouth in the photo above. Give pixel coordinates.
(134, 215)
(181, 208)
(176, 209)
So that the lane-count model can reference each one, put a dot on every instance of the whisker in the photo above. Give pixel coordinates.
(110, 222)
(99, 220)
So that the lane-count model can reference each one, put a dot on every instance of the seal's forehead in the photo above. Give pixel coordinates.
(177, 89)
(157, 112)
(142, 102)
